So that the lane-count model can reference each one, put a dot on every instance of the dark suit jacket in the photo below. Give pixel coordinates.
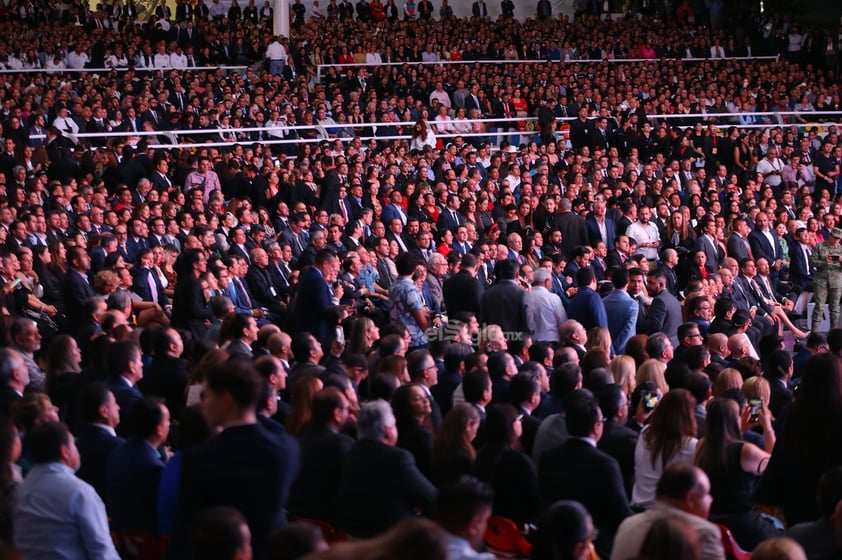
(126, 397)
(780, 397)
(446, 221)
(619, 442)
(75, 292)
(738, 247)
(140, 285)
(95, 446)
(760, 246)
(800, 271)
(504, 304)
(462, 292)
(167, 377)
(190, 311)
(245, 467)
(664, 316)
(323, 454)
(311, 304)
(594, 235)
(380, 487)
(578, 471)
(8, 397)
(133, 473)
(714, 257)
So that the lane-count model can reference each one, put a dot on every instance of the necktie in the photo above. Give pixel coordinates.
(242, 290)
(153, 288)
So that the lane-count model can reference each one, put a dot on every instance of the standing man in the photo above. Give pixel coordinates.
(622, 320)
(277, 56)
(58, 515)
(245, 466)
(827, 286)
(544, 312)
(664, 312)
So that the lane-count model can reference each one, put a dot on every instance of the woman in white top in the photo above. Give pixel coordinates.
(669, 438)
(421, 136)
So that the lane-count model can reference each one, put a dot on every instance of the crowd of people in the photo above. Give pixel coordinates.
(578, 296)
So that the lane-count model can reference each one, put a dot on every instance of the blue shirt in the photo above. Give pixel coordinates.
(58, 516)
(367, 277)
(405, 298)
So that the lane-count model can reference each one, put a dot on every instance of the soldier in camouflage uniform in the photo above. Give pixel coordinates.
(827, 258)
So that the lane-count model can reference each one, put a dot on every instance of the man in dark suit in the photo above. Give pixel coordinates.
(330, 183)
(765, 244)
(134, 470)
(574, 232)
(167, 376)
(145, 281)
(315, 295)
(323, 453)
(75, 287)
(190, 310)
(96, 439)
(617, 439)
(504, 303)
(463, 291)
(261, 285)
(738, 245)
(381, 485)
(577, 470)
(423, 370)
(525, 396)
(800, 269)
(124, 363)
(450, 218)
(245, 466)
(779, 377)
(15, 378)
(707, 243)
(664, 313)
(600, 227)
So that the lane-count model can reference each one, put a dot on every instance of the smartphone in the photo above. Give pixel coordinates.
(650, 400)
(755, 405)
(340, 336)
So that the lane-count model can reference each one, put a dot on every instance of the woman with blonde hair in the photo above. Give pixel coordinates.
(623, 369)
(599, 338)
(758, 388)
(492, 339)
(728, 378)
(653, 370)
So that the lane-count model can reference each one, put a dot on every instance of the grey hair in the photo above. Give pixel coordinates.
(373, 420)
(10, 361)
(540, 276)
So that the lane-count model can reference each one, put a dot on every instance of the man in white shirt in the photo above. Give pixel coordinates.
(441, 96)
(646, 234)
(64, 123)
(771, 167)
(77, 59)
(178, 59)
(277, 56)
(161, 58)
(683, 493)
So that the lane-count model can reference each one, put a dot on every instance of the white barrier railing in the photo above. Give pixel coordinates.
(117, 69)
(533, 61)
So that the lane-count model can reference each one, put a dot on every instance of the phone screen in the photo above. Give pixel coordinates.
(650, 400)
(755, 406)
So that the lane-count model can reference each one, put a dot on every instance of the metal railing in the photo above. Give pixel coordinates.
(495, 127)
(226, 69)
(534, 61)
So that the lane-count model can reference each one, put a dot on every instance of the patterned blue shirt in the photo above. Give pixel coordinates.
(405, 298)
